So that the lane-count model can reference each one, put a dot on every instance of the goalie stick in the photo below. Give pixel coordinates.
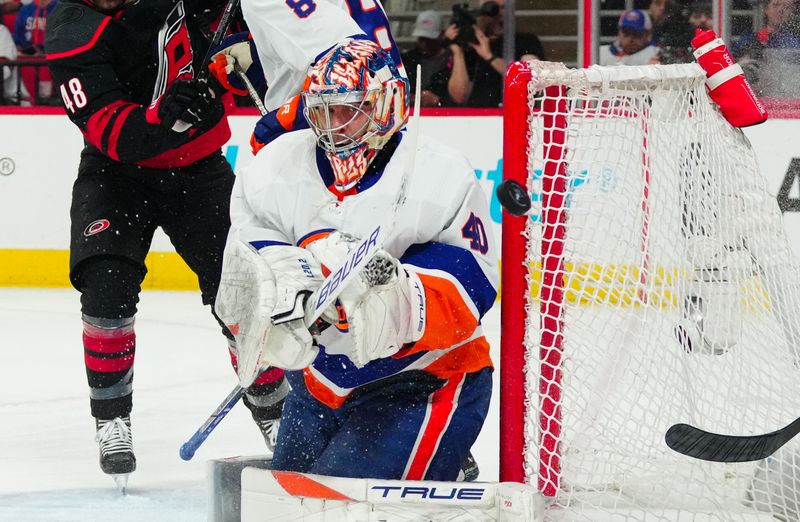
(189, 447)
(715, 447)
(334, 284)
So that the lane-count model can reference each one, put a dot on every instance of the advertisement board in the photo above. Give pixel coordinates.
(39, 157)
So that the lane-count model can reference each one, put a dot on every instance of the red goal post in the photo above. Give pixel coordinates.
(651, 285)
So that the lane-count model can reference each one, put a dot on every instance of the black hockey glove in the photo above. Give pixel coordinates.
(192, 102)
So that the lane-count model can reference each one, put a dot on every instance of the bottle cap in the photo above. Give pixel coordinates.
(702, 37)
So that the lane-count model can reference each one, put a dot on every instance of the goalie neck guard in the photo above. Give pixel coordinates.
(355, 100)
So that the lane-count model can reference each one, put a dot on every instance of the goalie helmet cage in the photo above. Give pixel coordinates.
(651, 285)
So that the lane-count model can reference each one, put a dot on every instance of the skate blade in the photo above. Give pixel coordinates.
(121, 480)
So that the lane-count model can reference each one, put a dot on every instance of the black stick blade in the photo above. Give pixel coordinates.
(714, 447)
(513, 197)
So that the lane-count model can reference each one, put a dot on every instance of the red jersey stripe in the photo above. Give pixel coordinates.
(84, 47)
(96, 126)
(113, 139)
(109, 346)
(111, 341)
(101, 365)
(271, 375)
(441, 406)
(195, 150)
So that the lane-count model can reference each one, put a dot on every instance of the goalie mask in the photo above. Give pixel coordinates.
(355, 100)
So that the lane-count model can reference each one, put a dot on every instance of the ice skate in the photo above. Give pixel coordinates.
(469, 469)
(116, 449)
(269, 429)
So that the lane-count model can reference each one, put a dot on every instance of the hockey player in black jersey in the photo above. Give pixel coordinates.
(127, 74)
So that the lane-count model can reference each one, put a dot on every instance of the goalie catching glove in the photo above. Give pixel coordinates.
(261, 298)
(384, 307)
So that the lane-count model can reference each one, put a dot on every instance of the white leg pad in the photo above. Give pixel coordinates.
(278, 495)
(519, 503)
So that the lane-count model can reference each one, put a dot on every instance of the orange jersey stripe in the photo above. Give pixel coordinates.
(314, 237)
(298, 485)
(469, 358)
(287, 113)
(449, 320)
(321, 392)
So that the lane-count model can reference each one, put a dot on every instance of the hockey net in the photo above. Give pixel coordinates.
(651, 285)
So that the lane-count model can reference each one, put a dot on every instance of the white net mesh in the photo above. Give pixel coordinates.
(680, 301)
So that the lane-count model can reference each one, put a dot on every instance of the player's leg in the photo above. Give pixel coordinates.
(264, 398)
(306, 428)
(413, 427)
(197, 220)
(110, 234)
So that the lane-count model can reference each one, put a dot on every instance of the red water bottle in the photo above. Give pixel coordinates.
(726, 83)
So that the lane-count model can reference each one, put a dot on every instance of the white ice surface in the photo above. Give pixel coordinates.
(48, 457)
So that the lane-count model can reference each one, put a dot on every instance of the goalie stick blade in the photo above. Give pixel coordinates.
(189, 447)
(715, 447)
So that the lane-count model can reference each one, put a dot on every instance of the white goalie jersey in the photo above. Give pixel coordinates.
(441, 233)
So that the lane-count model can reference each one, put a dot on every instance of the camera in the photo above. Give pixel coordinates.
(465, 18)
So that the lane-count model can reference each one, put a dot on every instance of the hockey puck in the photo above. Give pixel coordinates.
(513, 197)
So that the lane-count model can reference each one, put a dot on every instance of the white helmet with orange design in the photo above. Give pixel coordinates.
(355, 100)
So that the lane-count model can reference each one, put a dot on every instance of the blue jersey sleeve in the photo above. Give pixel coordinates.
(372, 19)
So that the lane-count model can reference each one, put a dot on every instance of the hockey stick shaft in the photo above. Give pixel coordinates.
(251, 91)
(222, 28)
(189, 447)
(715, 447)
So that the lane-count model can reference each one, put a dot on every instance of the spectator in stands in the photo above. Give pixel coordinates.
(633, 45)
(701, 15)
(676, 26)
(9, 6)
(29, 32)
(8, 10)
(476, 78)
(13, 92)
(431, 54)
(780, 19)
(772, 47)
(672, 31)
(30, 26)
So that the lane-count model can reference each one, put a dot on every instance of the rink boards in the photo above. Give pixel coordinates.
(36, 178)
